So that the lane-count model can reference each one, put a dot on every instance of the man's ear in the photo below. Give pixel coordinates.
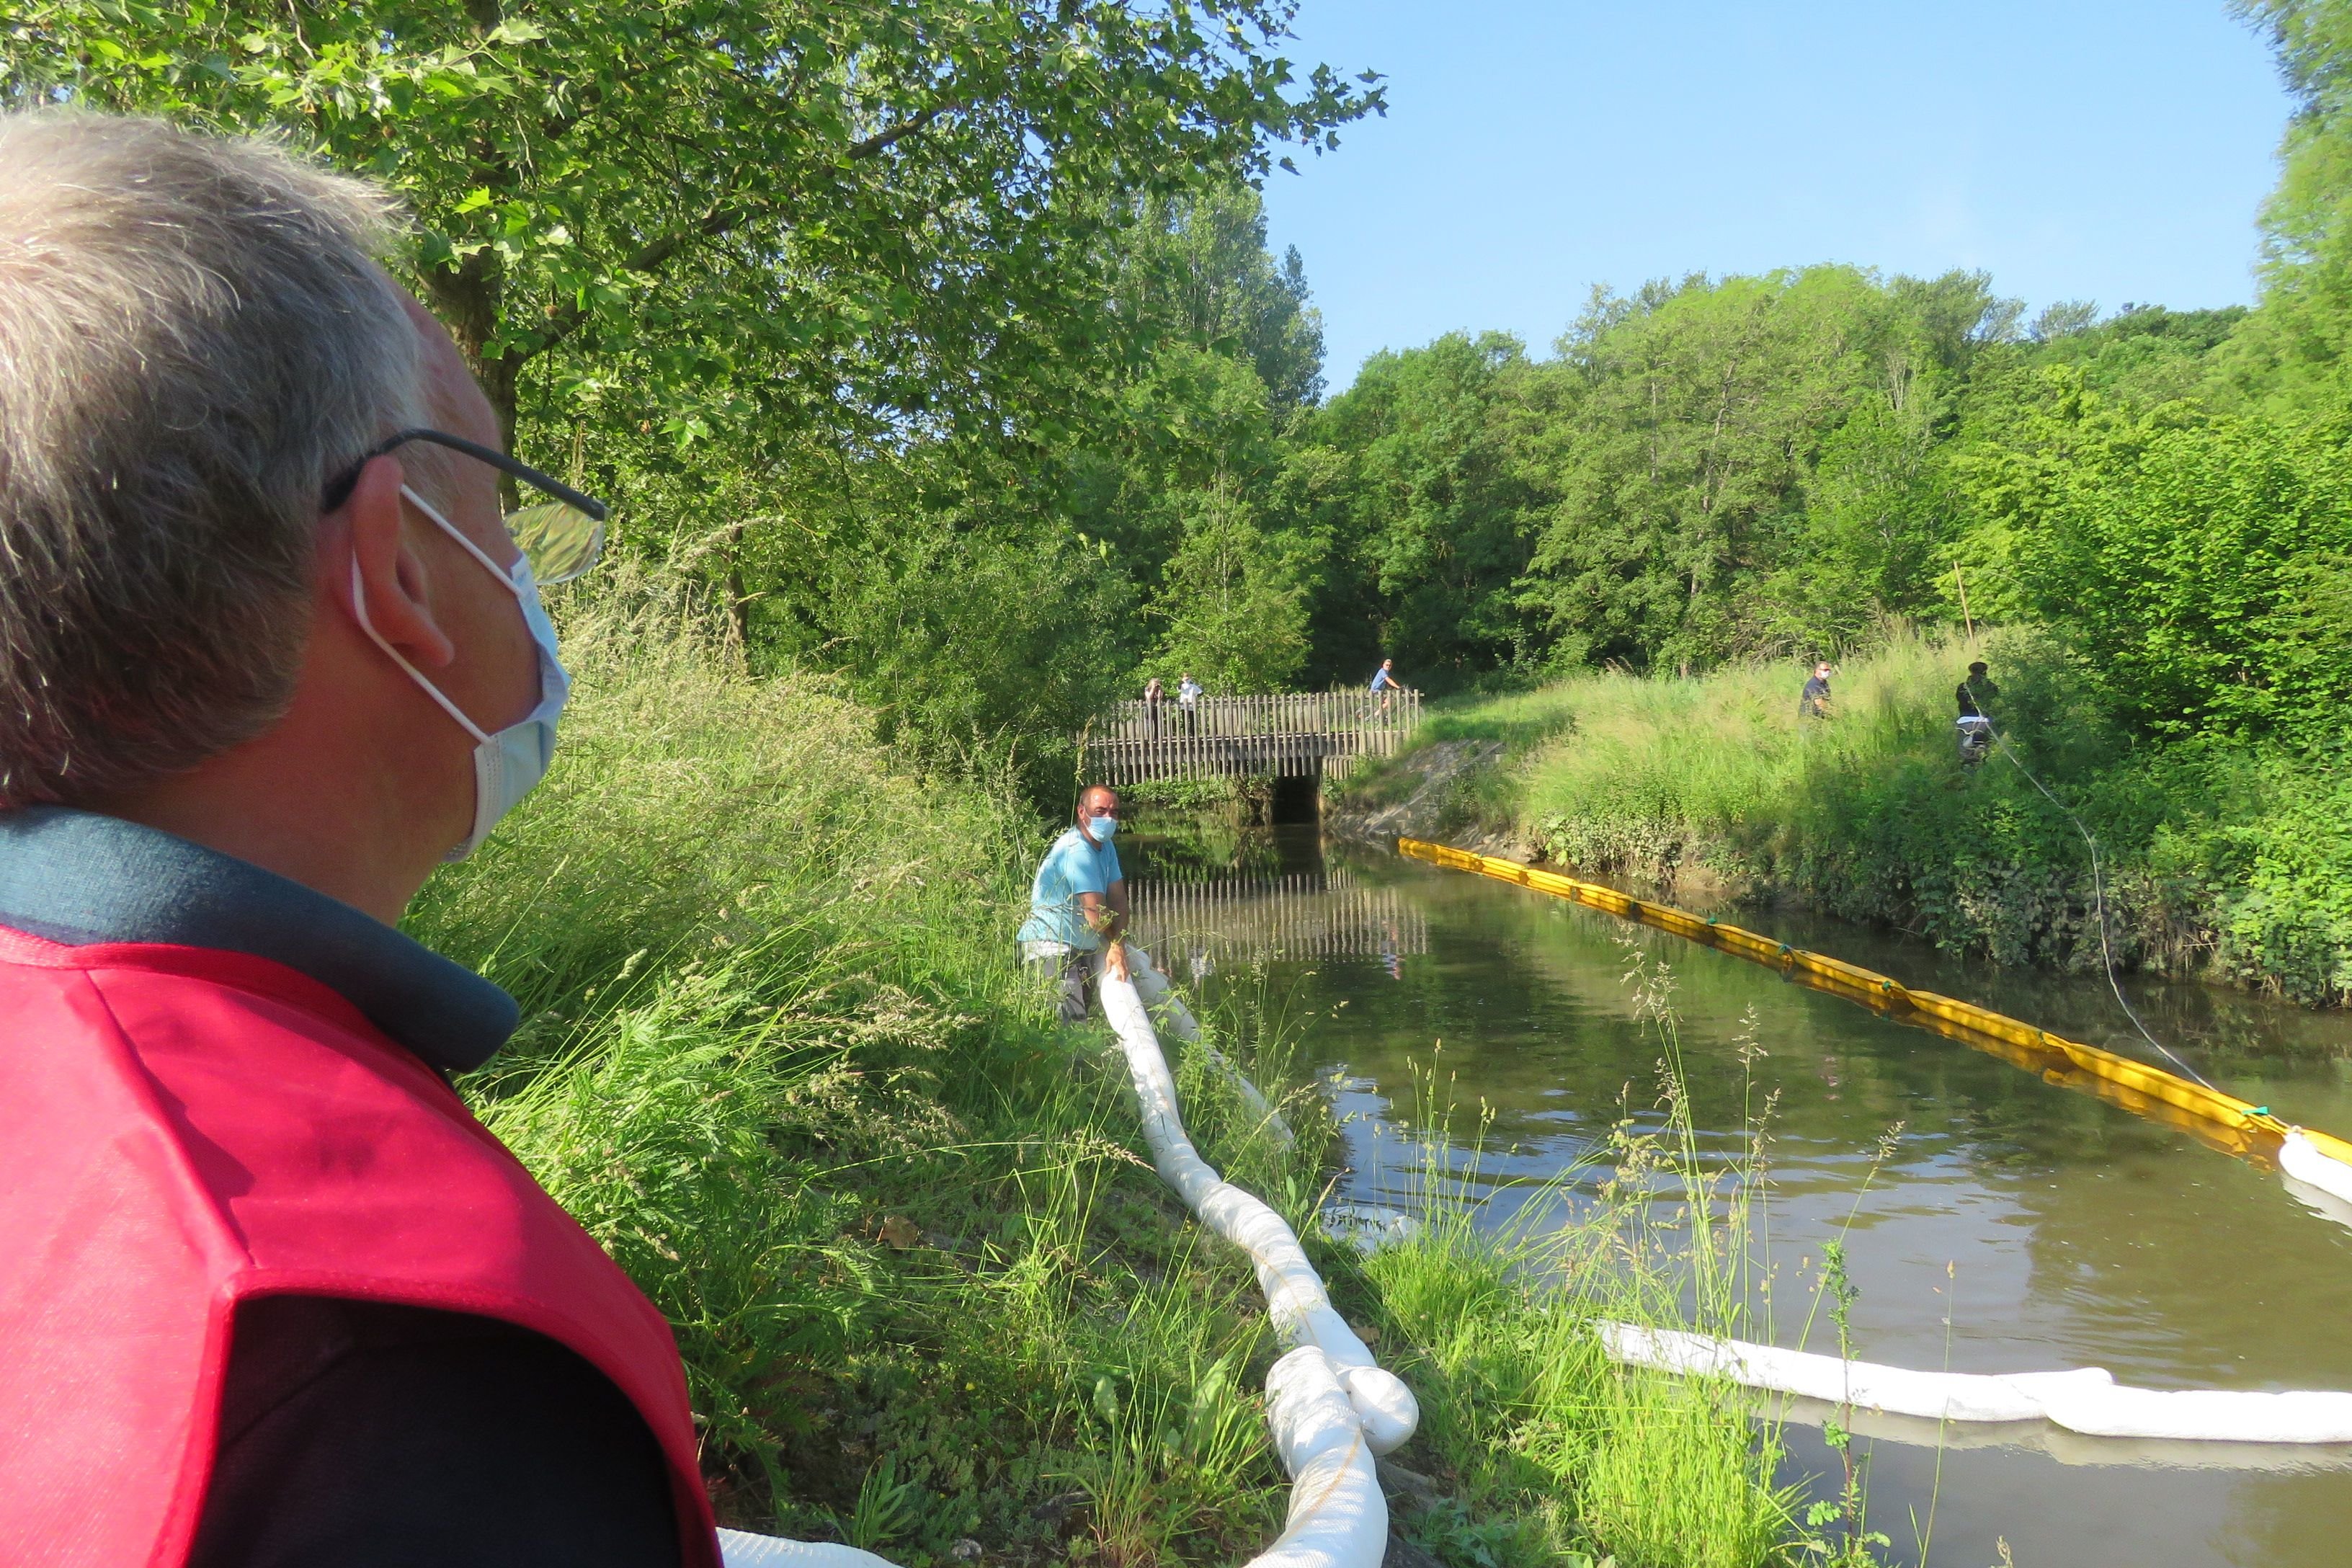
(392, 575)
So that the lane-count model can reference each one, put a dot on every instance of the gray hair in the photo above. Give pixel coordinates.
(193, 336)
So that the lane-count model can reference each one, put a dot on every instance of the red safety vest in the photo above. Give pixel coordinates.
(181, 1129)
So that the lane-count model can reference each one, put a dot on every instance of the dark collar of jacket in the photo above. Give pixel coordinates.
(80, 878)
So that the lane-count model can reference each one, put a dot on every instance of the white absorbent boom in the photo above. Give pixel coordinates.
(1330, 1408)
(2086, 1400)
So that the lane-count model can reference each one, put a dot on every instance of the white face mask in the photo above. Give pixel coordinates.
(509, 764)
(1104, 829)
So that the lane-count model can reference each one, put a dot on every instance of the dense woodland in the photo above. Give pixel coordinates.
(942, 344)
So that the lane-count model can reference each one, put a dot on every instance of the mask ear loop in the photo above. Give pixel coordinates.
(503, 574)
(359, 607)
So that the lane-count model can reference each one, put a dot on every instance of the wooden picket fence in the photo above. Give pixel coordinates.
(1283, 734)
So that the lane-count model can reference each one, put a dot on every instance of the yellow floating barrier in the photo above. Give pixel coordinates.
(2222, 1121)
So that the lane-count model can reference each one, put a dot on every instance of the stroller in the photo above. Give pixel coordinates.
(1976, 739)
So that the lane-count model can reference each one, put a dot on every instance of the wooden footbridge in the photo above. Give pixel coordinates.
(1279, 735)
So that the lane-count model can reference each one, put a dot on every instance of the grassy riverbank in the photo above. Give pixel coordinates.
(776, 1056)
(2234, 859)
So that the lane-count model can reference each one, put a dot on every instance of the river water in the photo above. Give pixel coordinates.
(2054, 1230)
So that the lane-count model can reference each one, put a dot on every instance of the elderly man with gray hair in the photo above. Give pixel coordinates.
(268, 653)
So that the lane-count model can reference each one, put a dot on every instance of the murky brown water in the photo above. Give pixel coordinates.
(2060, 1230)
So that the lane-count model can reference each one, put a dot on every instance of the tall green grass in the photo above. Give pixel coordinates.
(1649, 775)
(1562, 1457)
(778, 1057)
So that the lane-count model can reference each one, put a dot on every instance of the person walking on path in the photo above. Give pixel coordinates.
(1384, 684)
(1814, 703)
(269, 655)
(1077, 904)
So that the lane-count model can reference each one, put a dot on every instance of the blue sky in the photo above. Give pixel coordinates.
(2107, 150)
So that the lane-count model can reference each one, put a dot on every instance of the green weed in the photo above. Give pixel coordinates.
(1547, 1452)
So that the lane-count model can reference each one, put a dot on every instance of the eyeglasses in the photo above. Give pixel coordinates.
(560, 538)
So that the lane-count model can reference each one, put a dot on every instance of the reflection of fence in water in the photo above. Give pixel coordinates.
(1302, 915)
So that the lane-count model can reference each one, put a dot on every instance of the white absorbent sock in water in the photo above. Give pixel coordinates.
(2087, 1400)
(2320, 1183)
(1161, 999)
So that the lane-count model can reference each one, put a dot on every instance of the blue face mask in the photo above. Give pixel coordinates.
(1104, 829)
(507, 765)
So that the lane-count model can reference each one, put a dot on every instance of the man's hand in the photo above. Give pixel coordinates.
(1115, 961)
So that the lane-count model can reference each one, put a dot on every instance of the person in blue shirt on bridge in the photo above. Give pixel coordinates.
(1384, 683)
(1077, 904)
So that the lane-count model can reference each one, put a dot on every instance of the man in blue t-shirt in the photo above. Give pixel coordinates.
(1077, 903)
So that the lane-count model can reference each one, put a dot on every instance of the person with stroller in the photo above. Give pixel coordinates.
(1974, 724)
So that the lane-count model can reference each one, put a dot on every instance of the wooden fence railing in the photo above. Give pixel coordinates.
(1289, 733)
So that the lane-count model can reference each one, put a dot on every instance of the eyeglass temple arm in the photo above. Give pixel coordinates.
(341, 490)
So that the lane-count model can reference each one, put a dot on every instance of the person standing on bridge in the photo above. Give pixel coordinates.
(1154, 695)
(1077, 904)
(1188, 701)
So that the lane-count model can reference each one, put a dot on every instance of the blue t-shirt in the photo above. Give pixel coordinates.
(1382, 677)
(1071, 866)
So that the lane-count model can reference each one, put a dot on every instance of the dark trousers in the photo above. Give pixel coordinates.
(1076, 985)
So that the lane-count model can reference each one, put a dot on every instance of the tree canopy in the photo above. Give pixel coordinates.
(938, 339)
(756, 210)
(942, 344)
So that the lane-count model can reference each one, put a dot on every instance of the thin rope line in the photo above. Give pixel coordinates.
(2098, 892)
